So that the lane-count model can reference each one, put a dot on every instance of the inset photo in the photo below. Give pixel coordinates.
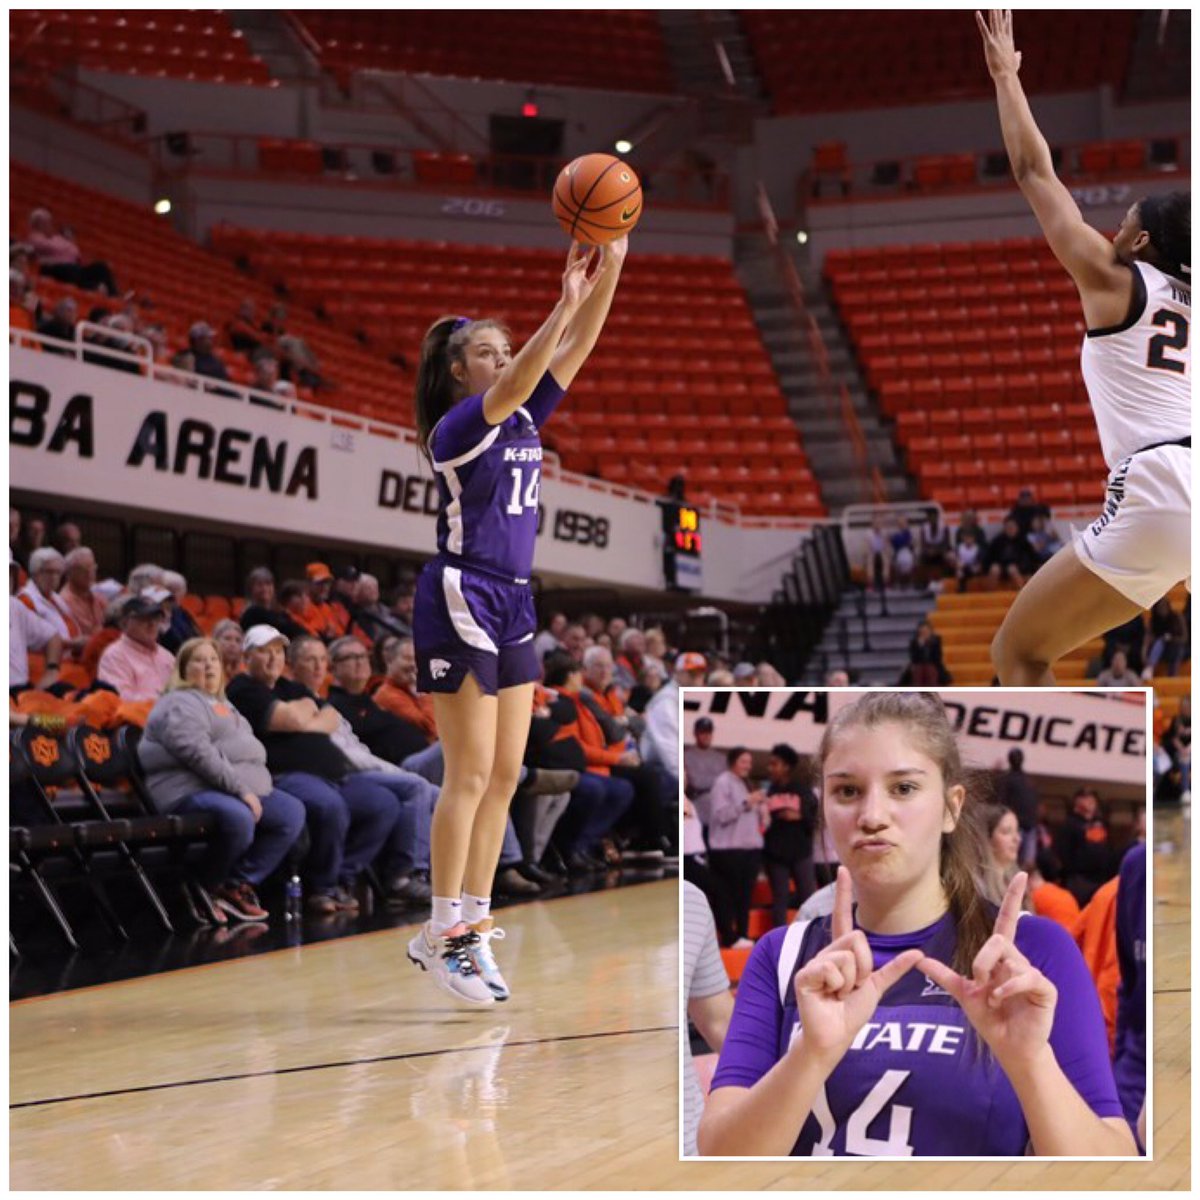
(915, 924)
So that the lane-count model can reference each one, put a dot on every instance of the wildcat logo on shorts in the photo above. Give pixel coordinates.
(439, 668)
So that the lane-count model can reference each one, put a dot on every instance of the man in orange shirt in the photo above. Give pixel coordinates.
(1048, 896)
(320, 614)
(1096, 936)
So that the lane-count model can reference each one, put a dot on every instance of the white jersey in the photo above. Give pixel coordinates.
(1139, 373)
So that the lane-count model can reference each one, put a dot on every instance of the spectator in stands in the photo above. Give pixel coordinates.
(23, 303)
(1025, 510)
(1083, 846)
(181, 625)
(968, 559)
(969, 524)
(244, 332)
(600, 799)
(787, 843)
(262, 606)
(837, 679)
(135, 665)
(877, 556)
(297, 362)
(398, 693)
(1008, 558)
(1118, 674)
(59, 257)
(735, 837)
(632, 649)
(615, 628)
(160, 344)
(27, 631)
(768, 676)
(745, 675)
(14, 530)
(650, 678)
(227, 634)
(550, 638)
(75, 596)
(405, 857)
(575, 641)
(66, 537)
(349, 820)
(200, 755)
(1015, 791)
(144, 575)
(1047, 895)
(1129, 638)
(660, 741)
(320, 616)
(120, 325)
(903, 553)
(701, 766)
(1043, 539)
(925, 665)
(402, 605)
(720, 678)
(371, 615)
(937, 554)
(39, 594)
(61, 322)
(1004, 848)
(202, 348)
(265, 378)
(1166, 639)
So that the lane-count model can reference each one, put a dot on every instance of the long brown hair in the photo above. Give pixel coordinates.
(444, 344)
(964, 856)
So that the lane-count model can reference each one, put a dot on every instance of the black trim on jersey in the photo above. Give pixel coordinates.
(1137, 306)
(1186, 443)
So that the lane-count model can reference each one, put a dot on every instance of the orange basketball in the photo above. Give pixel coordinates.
(597, 198)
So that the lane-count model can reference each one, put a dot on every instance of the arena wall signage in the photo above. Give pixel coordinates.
(1074, 736)
(85, 433)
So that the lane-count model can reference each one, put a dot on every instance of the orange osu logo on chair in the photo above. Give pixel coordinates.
(44, 751)
(97, 748)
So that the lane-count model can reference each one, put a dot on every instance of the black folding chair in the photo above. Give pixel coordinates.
(47, 766)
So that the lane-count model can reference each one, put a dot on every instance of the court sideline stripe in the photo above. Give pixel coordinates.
(352, 1062)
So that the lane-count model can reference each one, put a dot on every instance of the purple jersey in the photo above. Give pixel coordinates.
(489, 478)
(915, 1080)
(1130, 1060)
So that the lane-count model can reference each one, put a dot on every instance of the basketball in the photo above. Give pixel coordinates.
(597, 198)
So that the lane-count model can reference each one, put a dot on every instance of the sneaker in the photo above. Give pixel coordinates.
(510, 882)
(321, 904)
(344, 900)
(448, 958)
(485, 960)
(544, 782)
(240, 902)
(409, 889)
(212, 913)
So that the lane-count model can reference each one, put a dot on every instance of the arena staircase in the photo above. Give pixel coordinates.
(691, 38)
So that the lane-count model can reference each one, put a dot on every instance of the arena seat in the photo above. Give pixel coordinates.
(712, 396)
(625, 46)
(824, 61)
(200, 45)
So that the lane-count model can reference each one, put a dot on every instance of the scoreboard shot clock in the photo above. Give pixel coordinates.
(682, 542)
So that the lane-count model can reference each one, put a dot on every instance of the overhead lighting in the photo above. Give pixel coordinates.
(801, 237)
(623, 146)
(162, 207)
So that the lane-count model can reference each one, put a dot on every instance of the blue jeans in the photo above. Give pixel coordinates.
(597, 804)
(242, 850)
(430, 764)
(407, 847)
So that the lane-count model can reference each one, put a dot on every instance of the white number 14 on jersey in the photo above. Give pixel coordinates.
(519, 502)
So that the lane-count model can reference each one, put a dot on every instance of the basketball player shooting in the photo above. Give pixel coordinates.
(1136, 360)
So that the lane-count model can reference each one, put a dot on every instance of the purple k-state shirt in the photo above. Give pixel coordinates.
(916, 1081)
(489, 478)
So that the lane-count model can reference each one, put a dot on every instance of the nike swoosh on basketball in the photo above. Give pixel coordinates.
(627, 214)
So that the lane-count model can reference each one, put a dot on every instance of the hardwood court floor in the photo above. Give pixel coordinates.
(335, 1066)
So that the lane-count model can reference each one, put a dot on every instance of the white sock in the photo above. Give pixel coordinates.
(475, 908)
(446, 912)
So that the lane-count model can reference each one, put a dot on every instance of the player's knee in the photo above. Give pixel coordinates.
(468, 781)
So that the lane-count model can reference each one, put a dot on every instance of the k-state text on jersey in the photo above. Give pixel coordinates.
(523, 454)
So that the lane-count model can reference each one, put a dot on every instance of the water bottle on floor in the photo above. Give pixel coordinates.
(293, 899)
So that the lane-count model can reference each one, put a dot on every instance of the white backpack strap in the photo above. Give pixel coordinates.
(787, 957)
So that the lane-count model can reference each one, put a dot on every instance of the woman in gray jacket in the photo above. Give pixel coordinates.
(735, 840)
(200, 755)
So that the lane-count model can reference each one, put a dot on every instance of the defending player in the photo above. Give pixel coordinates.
(1136, 295)
(479, 409)
(994, 1043)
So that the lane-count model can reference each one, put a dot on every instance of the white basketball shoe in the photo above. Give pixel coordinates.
(450, 958)
(485, 960)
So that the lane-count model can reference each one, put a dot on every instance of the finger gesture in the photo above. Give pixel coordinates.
(838, 991)
(1007, 999)
(577, 284)
(997, 32)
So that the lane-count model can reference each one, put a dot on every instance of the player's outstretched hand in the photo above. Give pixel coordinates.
(577, 283)
(839, 990)
(1002, 57)
(612, 254)
(1007, 999)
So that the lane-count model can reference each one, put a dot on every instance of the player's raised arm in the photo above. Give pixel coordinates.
(1084, 251)
(584, 329)
(522, 375)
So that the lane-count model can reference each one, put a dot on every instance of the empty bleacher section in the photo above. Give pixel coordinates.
(973, 351)
(680, 357)
(624, 48)
(191, 44)
(825, 61)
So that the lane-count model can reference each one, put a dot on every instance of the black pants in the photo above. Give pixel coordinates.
(652, 796)
(781, 875)
(738, 870)
(716, 893)
(90, 276)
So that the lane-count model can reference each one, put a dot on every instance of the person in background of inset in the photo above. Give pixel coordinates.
(696, 870)
(1083, 846)
(479, 410)
(1004, 847)
(787, 843)
(735, 839)
(1048, 896)
(701, 766)
(1166, 639)
(1015, 791)
(992, 1046)
(707, 999)
(1135, 292)
(1129, 1061)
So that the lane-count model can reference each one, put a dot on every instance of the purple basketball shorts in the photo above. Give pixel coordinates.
(467, 621)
